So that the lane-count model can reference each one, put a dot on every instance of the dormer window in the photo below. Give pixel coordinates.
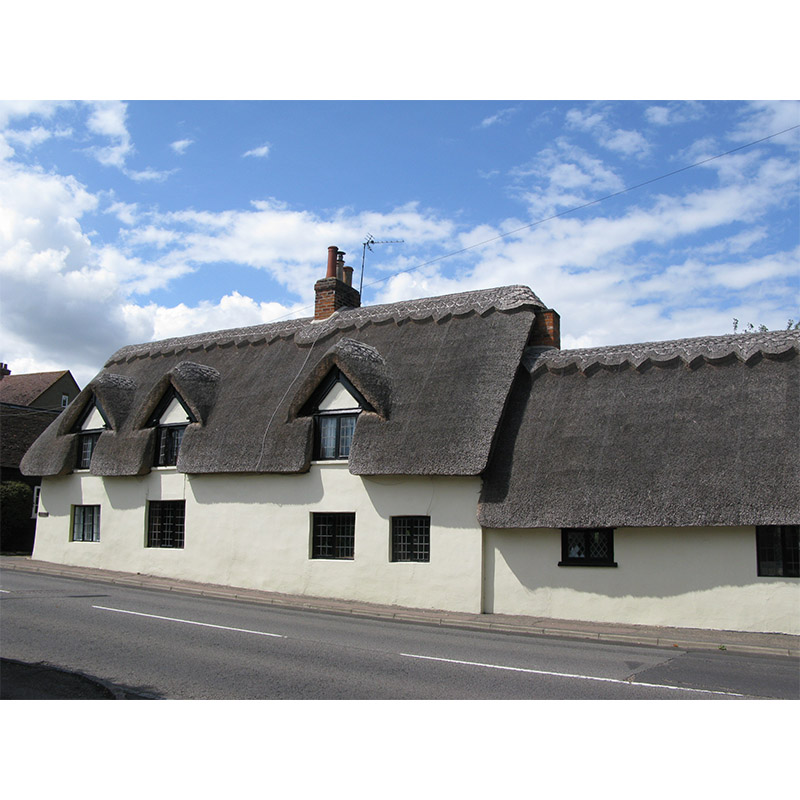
(170, 418)
(92, 424)
(335, 407)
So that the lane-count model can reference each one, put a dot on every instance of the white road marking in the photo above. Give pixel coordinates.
(5, 591)
(189, 622)
(570, 675)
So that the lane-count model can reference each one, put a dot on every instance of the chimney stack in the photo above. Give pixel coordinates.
(4, 370)
(335, 290)
(546, 329)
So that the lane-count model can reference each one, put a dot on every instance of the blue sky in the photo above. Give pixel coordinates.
(129, 221)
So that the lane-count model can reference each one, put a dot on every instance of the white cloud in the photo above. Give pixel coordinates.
(11, 109)
(108, 119)
(258, 152)
(149, 174)
(500, 118)
(181, 145)
(124, 212)
(629, 143)
(764, 118)
(29, 138)
(674, 113)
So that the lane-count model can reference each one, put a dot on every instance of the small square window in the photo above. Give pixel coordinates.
(85, 523)
(64, 400)
(333, 536)
(778, 548)
(411, 538)
(587, 547)
(165, 523)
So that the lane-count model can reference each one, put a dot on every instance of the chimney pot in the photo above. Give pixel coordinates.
(332, 251)
(348, 275)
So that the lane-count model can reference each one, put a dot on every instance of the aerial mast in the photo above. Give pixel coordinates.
(368, 242)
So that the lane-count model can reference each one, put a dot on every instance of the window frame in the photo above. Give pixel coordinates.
(342, 546)
(418, 548)
(87, 439)
(339, 417)
(157, 510)
(87, 442)
(568, 560)
(784, 540)
(311, 409)
(79, 512)
(166, 450)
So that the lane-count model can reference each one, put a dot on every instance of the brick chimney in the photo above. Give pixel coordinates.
(4, 370)
(546, 329)
(335, 290)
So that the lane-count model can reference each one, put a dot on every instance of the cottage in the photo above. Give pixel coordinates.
(442, 453)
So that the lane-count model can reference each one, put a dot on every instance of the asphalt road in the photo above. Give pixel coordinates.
(161, 644)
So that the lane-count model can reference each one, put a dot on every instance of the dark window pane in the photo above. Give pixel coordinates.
(591, 547)
(333, 536)
(165, 523)
(334, 434)
(86, 447)
(327, 437)
(347, 426)
(777, 549)
(86, 523)
(411, 537)
(168, 444)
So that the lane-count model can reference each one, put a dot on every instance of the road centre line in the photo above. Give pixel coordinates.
(570, 675)
(189, 622)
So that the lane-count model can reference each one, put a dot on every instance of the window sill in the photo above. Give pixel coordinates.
(587, 563)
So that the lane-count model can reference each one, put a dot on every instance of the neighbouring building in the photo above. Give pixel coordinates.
(442, 453)
(28, 404)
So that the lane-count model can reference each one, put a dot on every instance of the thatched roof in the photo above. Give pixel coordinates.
(436, 373)
(690, 432)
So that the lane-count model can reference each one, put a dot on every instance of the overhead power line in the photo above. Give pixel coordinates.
(571, 210)
(584, 205)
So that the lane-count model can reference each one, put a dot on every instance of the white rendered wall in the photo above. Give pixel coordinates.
(684, 577)
(255, 531)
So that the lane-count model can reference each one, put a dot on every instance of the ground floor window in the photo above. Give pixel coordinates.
(411, 538)
(85, 523)
(333, 535)
(587, 547)
(165, 523)
(778, 549)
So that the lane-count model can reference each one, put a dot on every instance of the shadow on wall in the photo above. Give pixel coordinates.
(652, 562)
(284, 490)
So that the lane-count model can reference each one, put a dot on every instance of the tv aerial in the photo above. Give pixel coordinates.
(368, 242)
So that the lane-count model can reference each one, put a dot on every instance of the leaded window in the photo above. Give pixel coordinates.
(165, 523)
(86, 444)
(333, 535)
(777, 549)
(335, 435)
(411, 538)
(587, 547)
(170, 419)
(168, 444)
(85, 523)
